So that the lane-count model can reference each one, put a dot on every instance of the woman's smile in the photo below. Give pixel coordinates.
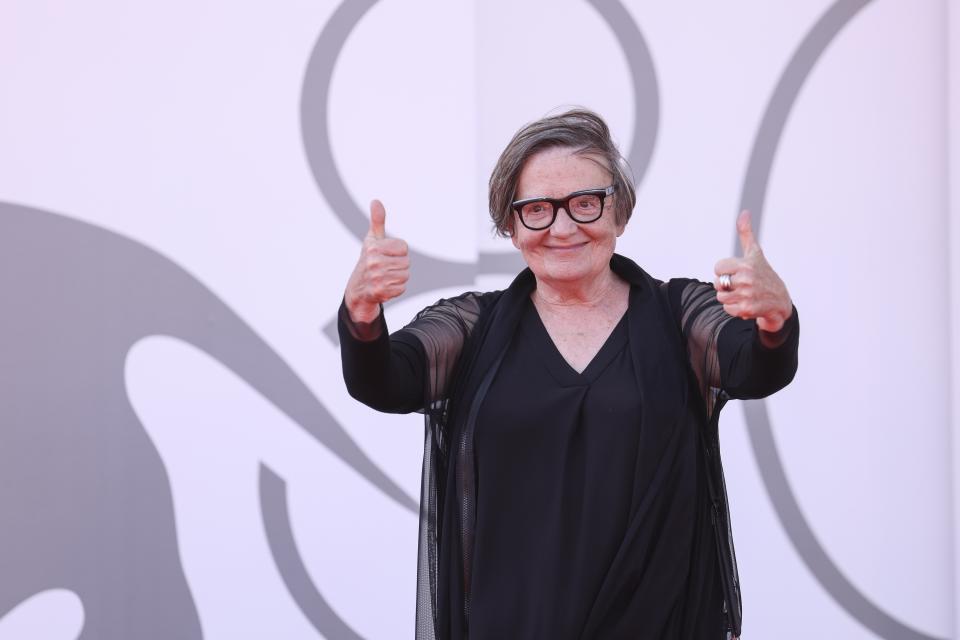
(565, 248)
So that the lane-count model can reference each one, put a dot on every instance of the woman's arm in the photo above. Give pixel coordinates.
(411, 369)
(730, 353)
(758, 351)
(742, 333)
(383, 373)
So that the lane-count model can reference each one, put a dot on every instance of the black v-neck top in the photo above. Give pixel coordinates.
(556, 452)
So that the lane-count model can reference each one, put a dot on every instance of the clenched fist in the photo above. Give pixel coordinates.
(748, 287)
(381, 273)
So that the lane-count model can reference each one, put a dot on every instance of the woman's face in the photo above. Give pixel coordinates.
(566, 252)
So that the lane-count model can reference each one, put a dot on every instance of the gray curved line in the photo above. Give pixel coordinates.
(426, 271)
(646, 100)
(99, 293)
(429, 273)
(781, 103)
(283, 547)
(805, 541)
(646, 92)
(314, 115)
(762, 440)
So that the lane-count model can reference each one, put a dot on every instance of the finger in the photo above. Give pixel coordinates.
(732, 297)
(745, 230)
(387, 270)
(391, 291)
(727, 297)
(379, 263)
(738, 310)
(399, 275)
(378, 220)
(392, 247)
(727, 265)
(390, 278)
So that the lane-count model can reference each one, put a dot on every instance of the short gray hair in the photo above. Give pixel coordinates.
(579, 129)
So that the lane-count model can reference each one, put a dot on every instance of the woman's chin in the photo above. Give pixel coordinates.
(566, 266)
(565, 271)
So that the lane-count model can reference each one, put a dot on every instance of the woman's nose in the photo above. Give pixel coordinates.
(564, 225)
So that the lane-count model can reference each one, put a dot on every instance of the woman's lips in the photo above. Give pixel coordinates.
(566, 248)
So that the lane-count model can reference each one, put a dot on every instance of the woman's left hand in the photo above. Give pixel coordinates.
(754, 290)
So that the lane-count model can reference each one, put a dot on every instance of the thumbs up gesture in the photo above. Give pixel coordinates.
(748, 287)
(381, 273)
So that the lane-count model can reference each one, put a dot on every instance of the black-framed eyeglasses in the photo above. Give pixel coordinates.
(583, 206)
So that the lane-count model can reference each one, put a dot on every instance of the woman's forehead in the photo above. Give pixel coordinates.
(557, 171)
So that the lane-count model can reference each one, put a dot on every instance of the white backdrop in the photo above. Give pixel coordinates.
(953, 168)
(188, 129)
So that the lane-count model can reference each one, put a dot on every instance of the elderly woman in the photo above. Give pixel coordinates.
(572, 485)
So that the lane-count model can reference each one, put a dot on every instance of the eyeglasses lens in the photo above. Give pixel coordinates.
(582, 208)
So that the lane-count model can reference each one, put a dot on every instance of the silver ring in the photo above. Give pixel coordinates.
(726, 283)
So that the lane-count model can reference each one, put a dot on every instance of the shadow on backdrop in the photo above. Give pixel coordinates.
(85, 495)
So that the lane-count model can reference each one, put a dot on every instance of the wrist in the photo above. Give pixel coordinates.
(361, 311)
(774, 331)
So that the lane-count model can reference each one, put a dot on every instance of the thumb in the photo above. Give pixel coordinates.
(378, 220)
(745, 230)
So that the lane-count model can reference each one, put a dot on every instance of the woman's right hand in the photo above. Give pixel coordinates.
(381, 273)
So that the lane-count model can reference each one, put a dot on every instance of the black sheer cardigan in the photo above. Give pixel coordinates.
(689, 356)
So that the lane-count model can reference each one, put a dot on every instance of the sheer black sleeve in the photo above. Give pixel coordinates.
(726, 352)
(441, 331)
(408, 370)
